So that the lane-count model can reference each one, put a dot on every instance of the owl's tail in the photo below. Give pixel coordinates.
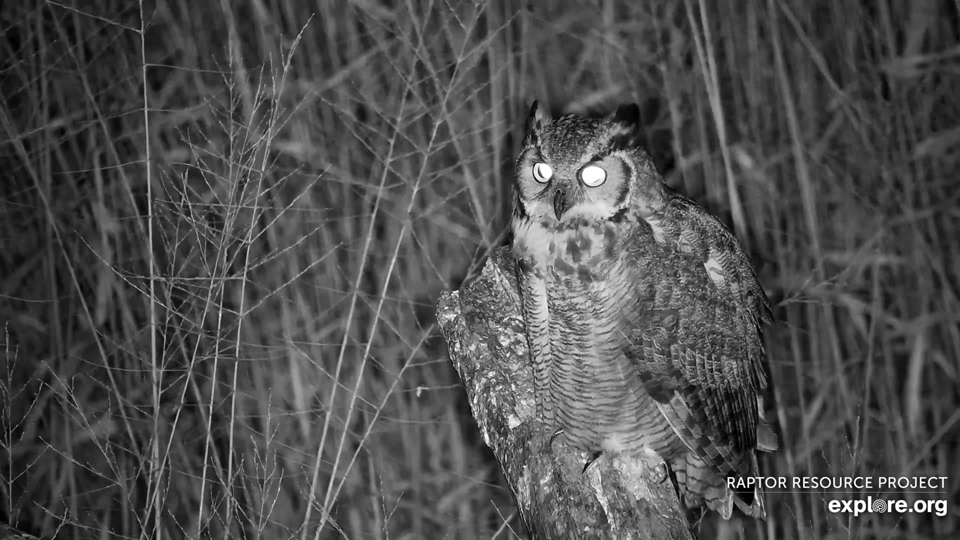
(700, 486)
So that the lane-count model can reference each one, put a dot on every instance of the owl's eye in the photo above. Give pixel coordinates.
(592, 175)
(542, 173)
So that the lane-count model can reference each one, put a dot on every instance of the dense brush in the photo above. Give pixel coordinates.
(223, 223)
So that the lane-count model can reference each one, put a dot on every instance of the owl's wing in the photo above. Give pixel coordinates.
(695, 337)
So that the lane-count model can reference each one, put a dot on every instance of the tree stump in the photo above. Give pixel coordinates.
(619, 497)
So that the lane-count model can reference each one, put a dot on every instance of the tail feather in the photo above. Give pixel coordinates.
(700, 486)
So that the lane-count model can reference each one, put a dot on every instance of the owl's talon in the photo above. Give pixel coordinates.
(590, 461)
(666, 472)
(554, 436)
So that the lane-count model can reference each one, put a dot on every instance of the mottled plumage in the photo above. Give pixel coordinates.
(643, 313)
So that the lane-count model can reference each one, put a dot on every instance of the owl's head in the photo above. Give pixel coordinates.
(578, 169)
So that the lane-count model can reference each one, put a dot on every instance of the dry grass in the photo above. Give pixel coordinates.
(225, 226)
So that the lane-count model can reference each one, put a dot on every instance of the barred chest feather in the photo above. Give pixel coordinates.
(587, 296)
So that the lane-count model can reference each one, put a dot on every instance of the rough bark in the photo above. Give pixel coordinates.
(618, 497)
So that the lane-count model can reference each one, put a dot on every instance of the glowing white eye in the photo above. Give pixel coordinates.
(593, 176)
(542, 173)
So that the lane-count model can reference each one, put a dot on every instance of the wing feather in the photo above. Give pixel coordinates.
(698, 346)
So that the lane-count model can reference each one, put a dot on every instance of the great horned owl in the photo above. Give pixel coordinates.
(643, 312)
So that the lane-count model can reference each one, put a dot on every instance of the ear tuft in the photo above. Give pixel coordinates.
(627, 115)
(625, 126)
(535, 122)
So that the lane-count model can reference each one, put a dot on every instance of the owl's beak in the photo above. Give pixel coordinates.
(560, 204)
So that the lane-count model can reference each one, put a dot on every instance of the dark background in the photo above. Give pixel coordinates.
(294, 183)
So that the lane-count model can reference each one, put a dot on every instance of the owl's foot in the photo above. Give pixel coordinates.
(652, 460)
(594, 457)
